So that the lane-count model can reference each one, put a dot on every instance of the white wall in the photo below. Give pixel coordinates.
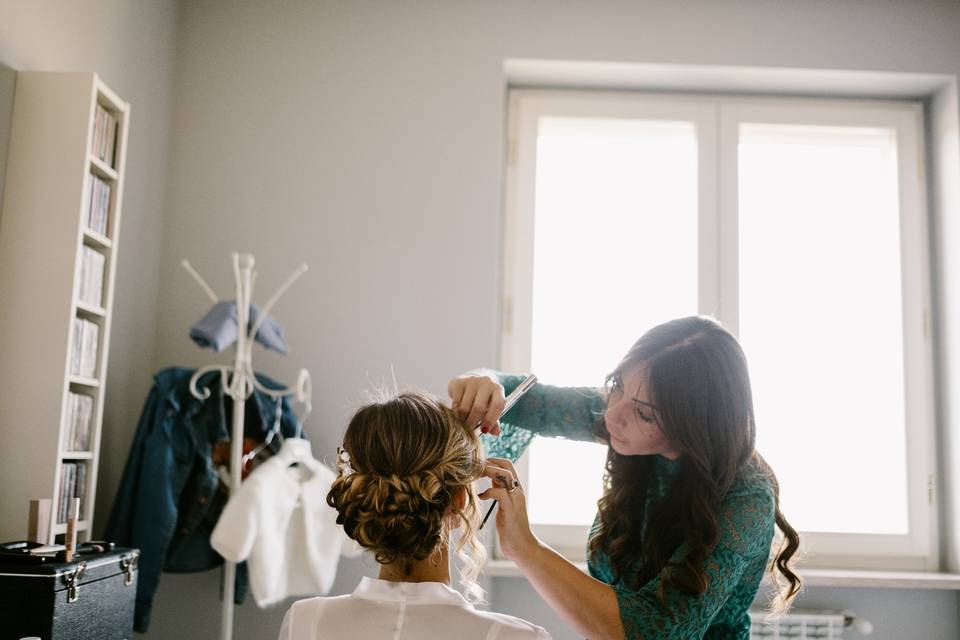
(366, 139)
(131, 45)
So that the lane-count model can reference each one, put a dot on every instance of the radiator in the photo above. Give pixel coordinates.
(801, 625)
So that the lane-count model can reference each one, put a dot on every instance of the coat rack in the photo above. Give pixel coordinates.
(239, 381)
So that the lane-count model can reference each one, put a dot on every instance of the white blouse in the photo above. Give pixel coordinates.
(385, 610)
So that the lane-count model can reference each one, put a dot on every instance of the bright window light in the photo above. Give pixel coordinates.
(615, 253)
(801, 225)
(821, 321)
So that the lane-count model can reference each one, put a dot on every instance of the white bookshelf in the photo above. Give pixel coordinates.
(43, 230)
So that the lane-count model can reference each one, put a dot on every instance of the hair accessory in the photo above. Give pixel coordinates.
(343, 462)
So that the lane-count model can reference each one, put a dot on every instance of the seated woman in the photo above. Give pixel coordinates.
(407, 469)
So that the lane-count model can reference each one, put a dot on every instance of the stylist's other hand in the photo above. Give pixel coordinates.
(513, 526)
(478, 398)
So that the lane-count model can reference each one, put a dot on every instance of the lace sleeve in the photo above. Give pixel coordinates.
(747, 522)
(557, 412)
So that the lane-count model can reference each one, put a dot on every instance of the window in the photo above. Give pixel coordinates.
(799, 224)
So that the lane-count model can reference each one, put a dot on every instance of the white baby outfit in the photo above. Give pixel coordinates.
(280, 522)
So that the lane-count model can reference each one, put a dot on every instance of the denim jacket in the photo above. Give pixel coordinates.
(169, 499)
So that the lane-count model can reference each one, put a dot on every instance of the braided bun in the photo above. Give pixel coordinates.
(410, 456)
(395, 517)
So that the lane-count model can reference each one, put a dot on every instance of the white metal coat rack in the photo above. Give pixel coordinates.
(239, 381)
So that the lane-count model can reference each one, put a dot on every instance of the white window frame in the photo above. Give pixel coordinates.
(717, 119)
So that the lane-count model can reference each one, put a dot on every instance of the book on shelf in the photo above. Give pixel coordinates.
(104, 135)
(68, 483)
(80, 490)
(83, 360)
(91, 277)
(73, 484)
(79, 421)
(97, 206)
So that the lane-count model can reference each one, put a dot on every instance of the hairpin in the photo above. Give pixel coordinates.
(343, 462)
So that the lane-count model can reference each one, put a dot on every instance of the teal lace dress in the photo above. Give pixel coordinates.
(734, 568)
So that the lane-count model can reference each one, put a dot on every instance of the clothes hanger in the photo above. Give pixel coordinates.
(303, 394)
(296, 450)
(273, 433)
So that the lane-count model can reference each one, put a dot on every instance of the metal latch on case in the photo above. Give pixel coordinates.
(71, 579)
(128, 566)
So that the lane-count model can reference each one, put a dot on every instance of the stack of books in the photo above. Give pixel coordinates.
(98, 206)
(104, 135)
(91, 277)
(83, 360)
(73, 484)
(79, 419)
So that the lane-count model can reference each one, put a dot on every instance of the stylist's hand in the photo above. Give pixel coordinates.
(513, 527)
(478, 399)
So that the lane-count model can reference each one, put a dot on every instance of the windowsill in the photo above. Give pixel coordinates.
(881, 579)
(811, 577)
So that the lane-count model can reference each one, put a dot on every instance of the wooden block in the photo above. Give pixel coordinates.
(38, 527)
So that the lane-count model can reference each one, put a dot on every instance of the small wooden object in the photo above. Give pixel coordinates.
(73, 517)
(38, 527)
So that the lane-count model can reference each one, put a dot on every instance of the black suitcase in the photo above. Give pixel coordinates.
(90, 598)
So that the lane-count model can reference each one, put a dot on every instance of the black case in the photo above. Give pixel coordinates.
(90, 598)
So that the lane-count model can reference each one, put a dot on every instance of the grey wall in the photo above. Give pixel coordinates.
(8, 81)
(366, 139)
(131, 45)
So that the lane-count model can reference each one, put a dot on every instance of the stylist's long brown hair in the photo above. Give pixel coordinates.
(696, 375)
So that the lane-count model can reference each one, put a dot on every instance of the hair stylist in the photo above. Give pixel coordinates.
(685, 524)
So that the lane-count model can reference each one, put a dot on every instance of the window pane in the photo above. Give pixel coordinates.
(615, 253)
(821, 321)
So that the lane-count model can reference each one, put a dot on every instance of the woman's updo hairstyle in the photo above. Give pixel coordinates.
(409, 456)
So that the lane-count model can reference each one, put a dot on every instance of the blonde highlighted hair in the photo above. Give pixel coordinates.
(409, 457)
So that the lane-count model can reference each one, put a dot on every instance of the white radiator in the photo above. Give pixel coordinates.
(801, 625)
